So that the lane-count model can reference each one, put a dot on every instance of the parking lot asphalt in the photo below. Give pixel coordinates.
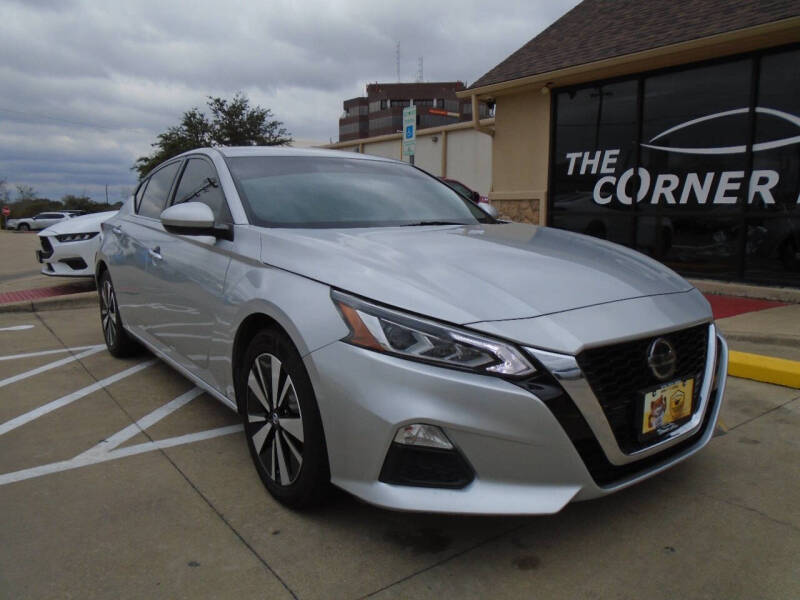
(19, 269)
(119, 479)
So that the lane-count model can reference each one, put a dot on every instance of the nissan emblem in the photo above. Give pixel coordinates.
(662, 359)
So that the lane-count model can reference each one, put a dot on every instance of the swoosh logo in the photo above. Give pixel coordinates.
(729, 149)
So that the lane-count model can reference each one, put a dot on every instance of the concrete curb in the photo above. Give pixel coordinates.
(764, 368)
(79, 300)
(743, 290)
(775, 339)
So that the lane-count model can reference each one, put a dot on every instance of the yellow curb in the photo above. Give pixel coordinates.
(764, 368)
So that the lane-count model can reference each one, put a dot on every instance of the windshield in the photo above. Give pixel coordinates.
(314, 192)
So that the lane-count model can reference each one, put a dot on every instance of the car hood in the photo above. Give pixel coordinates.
(465, 274)
(82, 224)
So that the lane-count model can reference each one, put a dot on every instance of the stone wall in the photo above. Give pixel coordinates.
(521, 211)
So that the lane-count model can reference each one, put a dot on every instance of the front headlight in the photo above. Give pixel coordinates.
(393, 332)
(76, 237)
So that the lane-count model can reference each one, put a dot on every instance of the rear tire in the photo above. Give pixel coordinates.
(118, 342)
(282, 423)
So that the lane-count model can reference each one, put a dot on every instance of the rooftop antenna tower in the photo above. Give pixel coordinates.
(419, 70)
(397, 61)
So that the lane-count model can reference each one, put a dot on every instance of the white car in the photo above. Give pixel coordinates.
(68, 247)
(40, 221)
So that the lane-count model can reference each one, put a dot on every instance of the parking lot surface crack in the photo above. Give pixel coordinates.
(764, 414)
(445, 560)
(729, 502)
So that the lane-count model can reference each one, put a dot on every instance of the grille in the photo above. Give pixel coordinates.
(571, 420)
(617, 375)
(47, 248)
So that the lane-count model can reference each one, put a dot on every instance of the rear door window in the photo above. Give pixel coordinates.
(155, 195)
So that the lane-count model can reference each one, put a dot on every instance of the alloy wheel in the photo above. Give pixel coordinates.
(274, 421)
(108, 312)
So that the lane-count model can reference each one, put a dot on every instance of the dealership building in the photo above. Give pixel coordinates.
(670, 126)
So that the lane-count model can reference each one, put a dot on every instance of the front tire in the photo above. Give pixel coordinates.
(118, 342)
(282, 422)
(24, 227)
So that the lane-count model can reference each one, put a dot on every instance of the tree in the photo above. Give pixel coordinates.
(25, 192)
(232, 123)
(83, 202)
(33, 206)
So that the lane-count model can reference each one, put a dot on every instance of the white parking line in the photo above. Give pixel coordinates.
(69, 398)
(46, 352)
(16, 328)
(85, 460)
(49, 366)
(146, 421)
(107, 449)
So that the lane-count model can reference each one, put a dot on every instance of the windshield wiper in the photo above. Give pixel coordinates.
(418, 223)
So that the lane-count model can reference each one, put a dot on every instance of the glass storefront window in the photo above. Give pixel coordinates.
(773, 250)
(591, 121)
(694, 138)
(694, 151)
(698, 166)
(773, 226)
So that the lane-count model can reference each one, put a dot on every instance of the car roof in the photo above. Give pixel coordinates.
(238, 151)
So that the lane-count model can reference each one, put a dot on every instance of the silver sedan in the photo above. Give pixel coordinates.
(378, 332)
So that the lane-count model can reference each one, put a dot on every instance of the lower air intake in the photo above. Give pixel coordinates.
(426, 467)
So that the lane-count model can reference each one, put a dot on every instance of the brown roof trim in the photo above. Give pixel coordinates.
(775, 33)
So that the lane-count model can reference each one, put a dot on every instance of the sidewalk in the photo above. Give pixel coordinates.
(765, 344)
(776, 329)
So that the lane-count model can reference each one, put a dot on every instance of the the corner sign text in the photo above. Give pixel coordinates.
(711, 187)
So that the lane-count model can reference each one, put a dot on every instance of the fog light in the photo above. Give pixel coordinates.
(418, 434)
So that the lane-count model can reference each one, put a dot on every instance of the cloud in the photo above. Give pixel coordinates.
(87, 86)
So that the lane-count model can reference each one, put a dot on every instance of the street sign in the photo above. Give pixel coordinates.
(6, 211)
(409, 130)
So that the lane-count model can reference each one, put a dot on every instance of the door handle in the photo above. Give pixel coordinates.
(155, 253)
(116, 229)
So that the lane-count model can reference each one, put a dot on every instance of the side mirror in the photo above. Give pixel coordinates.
(488, 209)
(189, 218)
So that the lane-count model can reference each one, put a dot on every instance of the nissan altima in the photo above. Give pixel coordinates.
(378, 332)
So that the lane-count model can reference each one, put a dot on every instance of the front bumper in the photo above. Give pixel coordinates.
(68, 259)
(524, 460)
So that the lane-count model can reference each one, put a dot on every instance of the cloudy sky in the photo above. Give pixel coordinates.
(87, 85)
